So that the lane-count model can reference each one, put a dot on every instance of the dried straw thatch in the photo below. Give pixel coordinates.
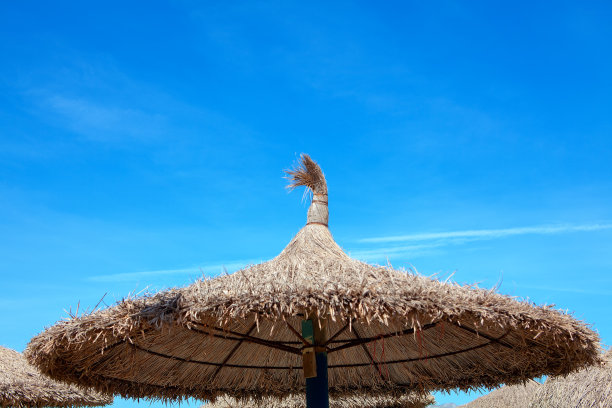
(351, 401)
(509, 396)
(388, 330)
(21, 385)
(590, 388)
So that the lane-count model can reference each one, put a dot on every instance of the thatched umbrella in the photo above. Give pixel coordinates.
(269, 329)
(22, 385)
(508, 396)
(349, 401)
(589, 388)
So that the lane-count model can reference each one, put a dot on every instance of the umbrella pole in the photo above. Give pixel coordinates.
(315, 363)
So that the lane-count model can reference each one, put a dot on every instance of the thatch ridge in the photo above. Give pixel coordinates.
(508, 396)
(423, 334)
(21, 385)
(351, 401)
(589, 388)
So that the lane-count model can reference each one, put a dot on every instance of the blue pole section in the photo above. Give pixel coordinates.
(317, 392)
(315, 364)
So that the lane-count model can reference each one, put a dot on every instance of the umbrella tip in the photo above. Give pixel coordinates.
(308, 174)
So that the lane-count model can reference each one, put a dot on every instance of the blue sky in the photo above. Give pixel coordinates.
(142, 145)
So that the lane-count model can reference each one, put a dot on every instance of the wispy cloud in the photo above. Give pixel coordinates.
(209, 270)
(488, 233)
(378, 254)
(583, 291)
(103, 122)
(426, 244)
(96, 101)
(431, 243)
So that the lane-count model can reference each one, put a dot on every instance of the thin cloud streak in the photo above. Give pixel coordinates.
(545, 288)
(106, 123)
(442, 239)
(209, 270)
(378, 254)
(489, 233)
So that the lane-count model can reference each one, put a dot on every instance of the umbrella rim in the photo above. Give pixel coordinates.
(21, 384)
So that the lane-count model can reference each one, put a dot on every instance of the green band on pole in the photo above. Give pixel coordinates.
(308, 331)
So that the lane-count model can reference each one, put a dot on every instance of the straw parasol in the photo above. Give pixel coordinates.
(312, 319)
(590, 388)
(508, 396)
(351, 401)
(21, 385)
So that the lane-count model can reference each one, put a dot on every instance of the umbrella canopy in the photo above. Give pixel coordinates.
(509, 396)
(385, 330)
(351, 401)
(21, 385)
(590, 388)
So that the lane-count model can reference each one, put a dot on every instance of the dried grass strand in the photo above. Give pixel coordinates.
(308, 174)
